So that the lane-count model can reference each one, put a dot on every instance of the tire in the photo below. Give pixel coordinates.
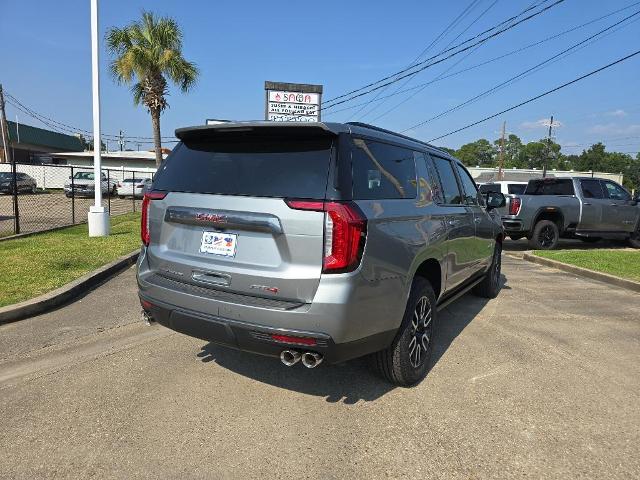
(634, 239)
(121, 197)
(401, 364)
(34, 189)
(489, 287)
(545, 235)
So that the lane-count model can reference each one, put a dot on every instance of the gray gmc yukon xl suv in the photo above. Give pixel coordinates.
(317, 241)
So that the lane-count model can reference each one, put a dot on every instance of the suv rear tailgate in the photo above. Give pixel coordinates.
(224, 223)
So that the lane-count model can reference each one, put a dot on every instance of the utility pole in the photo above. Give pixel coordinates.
(5, 129)
(501, 160)
(121, 142)
(548, 156)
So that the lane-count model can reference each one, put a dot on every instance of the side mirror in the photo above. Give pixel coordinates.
(495, 200)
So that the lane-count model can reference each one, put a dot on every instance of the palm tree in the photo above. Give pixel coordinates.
(147, 53)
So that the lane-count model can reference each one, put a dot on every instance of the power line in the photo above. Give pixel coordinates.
(491, 60)
(532, 99)
(444, 32)
(527, 71)
(408, 80)
(56, 125)
(397, 78)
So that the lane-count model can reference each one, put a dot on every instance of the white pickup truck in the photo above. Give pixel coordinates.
(580, 207)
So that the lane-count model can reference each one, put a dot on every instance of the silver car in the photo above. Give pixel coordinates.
(315, 242)
(23, 183)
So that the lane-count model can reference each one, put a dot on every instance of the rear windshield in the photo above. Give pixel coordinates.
(490, 187)
(550, 187)
(258, 168)
(516, 188)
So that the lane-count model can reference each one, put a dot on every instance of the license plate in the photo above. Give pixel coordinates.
(216, 243)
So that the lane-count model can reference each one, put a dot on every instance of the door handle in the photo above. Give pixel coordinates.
(453, 222)
(477, 220)
(585, 203)
(613, 204)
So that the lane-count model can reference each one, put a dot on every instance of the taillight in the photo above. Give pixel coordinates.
(144, 222)
(514, 206)
(345, 229)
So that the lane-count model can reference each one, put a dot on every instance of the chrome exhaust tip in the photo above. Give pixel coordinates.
(311, 359)
(290, 357)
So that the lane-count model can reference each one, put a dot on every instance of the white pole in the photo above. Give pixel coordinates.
(98, 216)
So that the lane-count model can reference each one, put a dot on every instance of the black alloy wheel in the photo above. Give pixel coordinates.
(421, 333)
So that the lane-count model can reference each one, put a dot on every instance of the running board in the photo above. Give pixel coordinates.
(459, 294)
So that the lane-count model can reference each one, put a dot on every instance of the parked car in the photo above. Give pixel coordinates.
(24, 183)
(315, 241)
(133, 187)
(83, 185)
(581, 207)
(504, 186)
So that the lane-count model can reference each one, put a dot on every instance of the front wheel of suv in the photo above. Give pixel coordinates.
(407, 360)
(490, 284)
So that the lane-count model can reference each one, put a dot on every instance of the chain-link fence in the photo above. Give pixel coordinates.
(35, 198)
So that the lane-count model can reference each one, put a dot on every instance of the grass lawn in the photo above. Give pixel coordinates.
(40, 263)
(621, 263)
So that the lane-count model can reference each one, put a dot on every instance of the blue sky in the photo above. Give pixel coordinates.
(342, 45)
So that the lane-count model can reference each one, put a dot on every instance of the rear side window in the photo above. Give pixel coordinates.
(449, 185)
(591, 189)
(550, 187)
(468, 186)
(254, 167)
(516, 188)
(490, 187)
(382, 171)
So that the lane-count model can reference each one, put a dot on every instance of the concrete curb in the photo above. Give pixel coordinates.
(66, 293)
(585, 272)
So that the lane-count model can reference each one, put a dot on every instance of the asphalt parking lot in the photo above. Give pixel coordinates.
(42, 211)
(542, 382)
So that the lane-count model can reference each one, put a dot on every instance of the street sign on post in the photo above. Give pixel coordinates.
(292, 102)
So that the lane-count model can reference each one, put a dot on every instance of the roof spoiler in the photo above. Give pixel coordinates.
(240, 130)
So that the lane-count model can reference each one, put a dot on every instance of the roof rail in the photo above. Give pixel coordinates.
(390, 132)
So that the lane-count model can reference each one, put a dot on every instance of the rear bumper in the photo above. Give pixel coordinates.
(512, 225)
(257, 339)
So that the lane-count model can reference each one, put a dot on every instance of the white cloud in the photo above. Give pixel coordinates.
(542, 123)
(614, 129)
(616, 113)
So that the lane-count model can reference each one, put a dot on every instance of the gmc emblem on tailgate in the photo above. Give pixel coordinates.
(211, 217)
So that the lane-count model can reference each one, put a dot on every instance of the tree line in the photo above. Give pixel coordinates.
(534, 155)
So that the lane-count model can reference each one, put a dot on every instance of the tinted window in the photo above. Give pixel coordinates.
(490, 187)
(616, 192)
(550, 186)
(591, 189)
(448, 183)
(516, 188)
(261, 168)
(382, 171)
(468, 186)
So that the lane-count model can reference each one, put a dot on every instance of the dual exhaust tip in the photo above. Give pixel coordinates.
(309, 359)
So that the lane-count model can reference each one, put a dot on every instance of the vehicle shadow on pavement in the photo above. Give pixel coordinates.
(347, 382)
